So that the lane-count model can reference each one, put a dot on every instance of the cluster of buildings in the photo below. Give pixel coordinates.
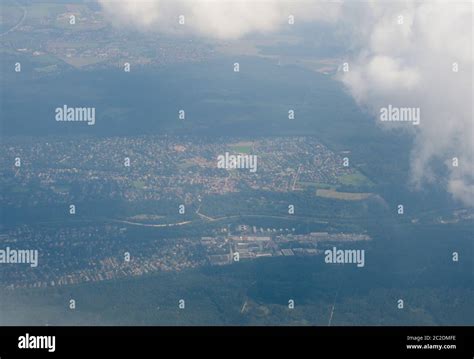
(152, 168)
(75, 254)
(90, 253)
(81, 37)
(223, 250)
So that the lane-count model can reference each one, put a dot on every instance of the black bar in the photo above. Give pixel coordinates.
(317, 341)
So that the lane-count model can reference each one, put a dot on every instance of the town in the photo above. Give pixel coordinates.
(63, 171)
(74, 255)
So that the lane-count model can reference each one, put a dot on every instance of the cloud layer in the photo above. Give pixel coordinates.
(405, 54)
(221, 19)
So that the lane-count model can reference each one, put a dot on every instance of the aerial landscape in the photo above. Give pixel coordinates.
(161, 169)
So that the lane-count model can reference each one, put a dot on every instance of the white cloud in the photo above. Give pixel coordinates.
(222, 19)
(410, 65)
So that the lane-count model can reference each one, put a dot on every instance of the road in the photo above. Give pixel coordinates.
(19, 23)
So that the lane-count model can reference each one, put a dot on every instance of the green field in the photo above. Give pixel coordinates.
(318, 185)
(346, 196)
(355, 179)
(139, 184)
(241, 147)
